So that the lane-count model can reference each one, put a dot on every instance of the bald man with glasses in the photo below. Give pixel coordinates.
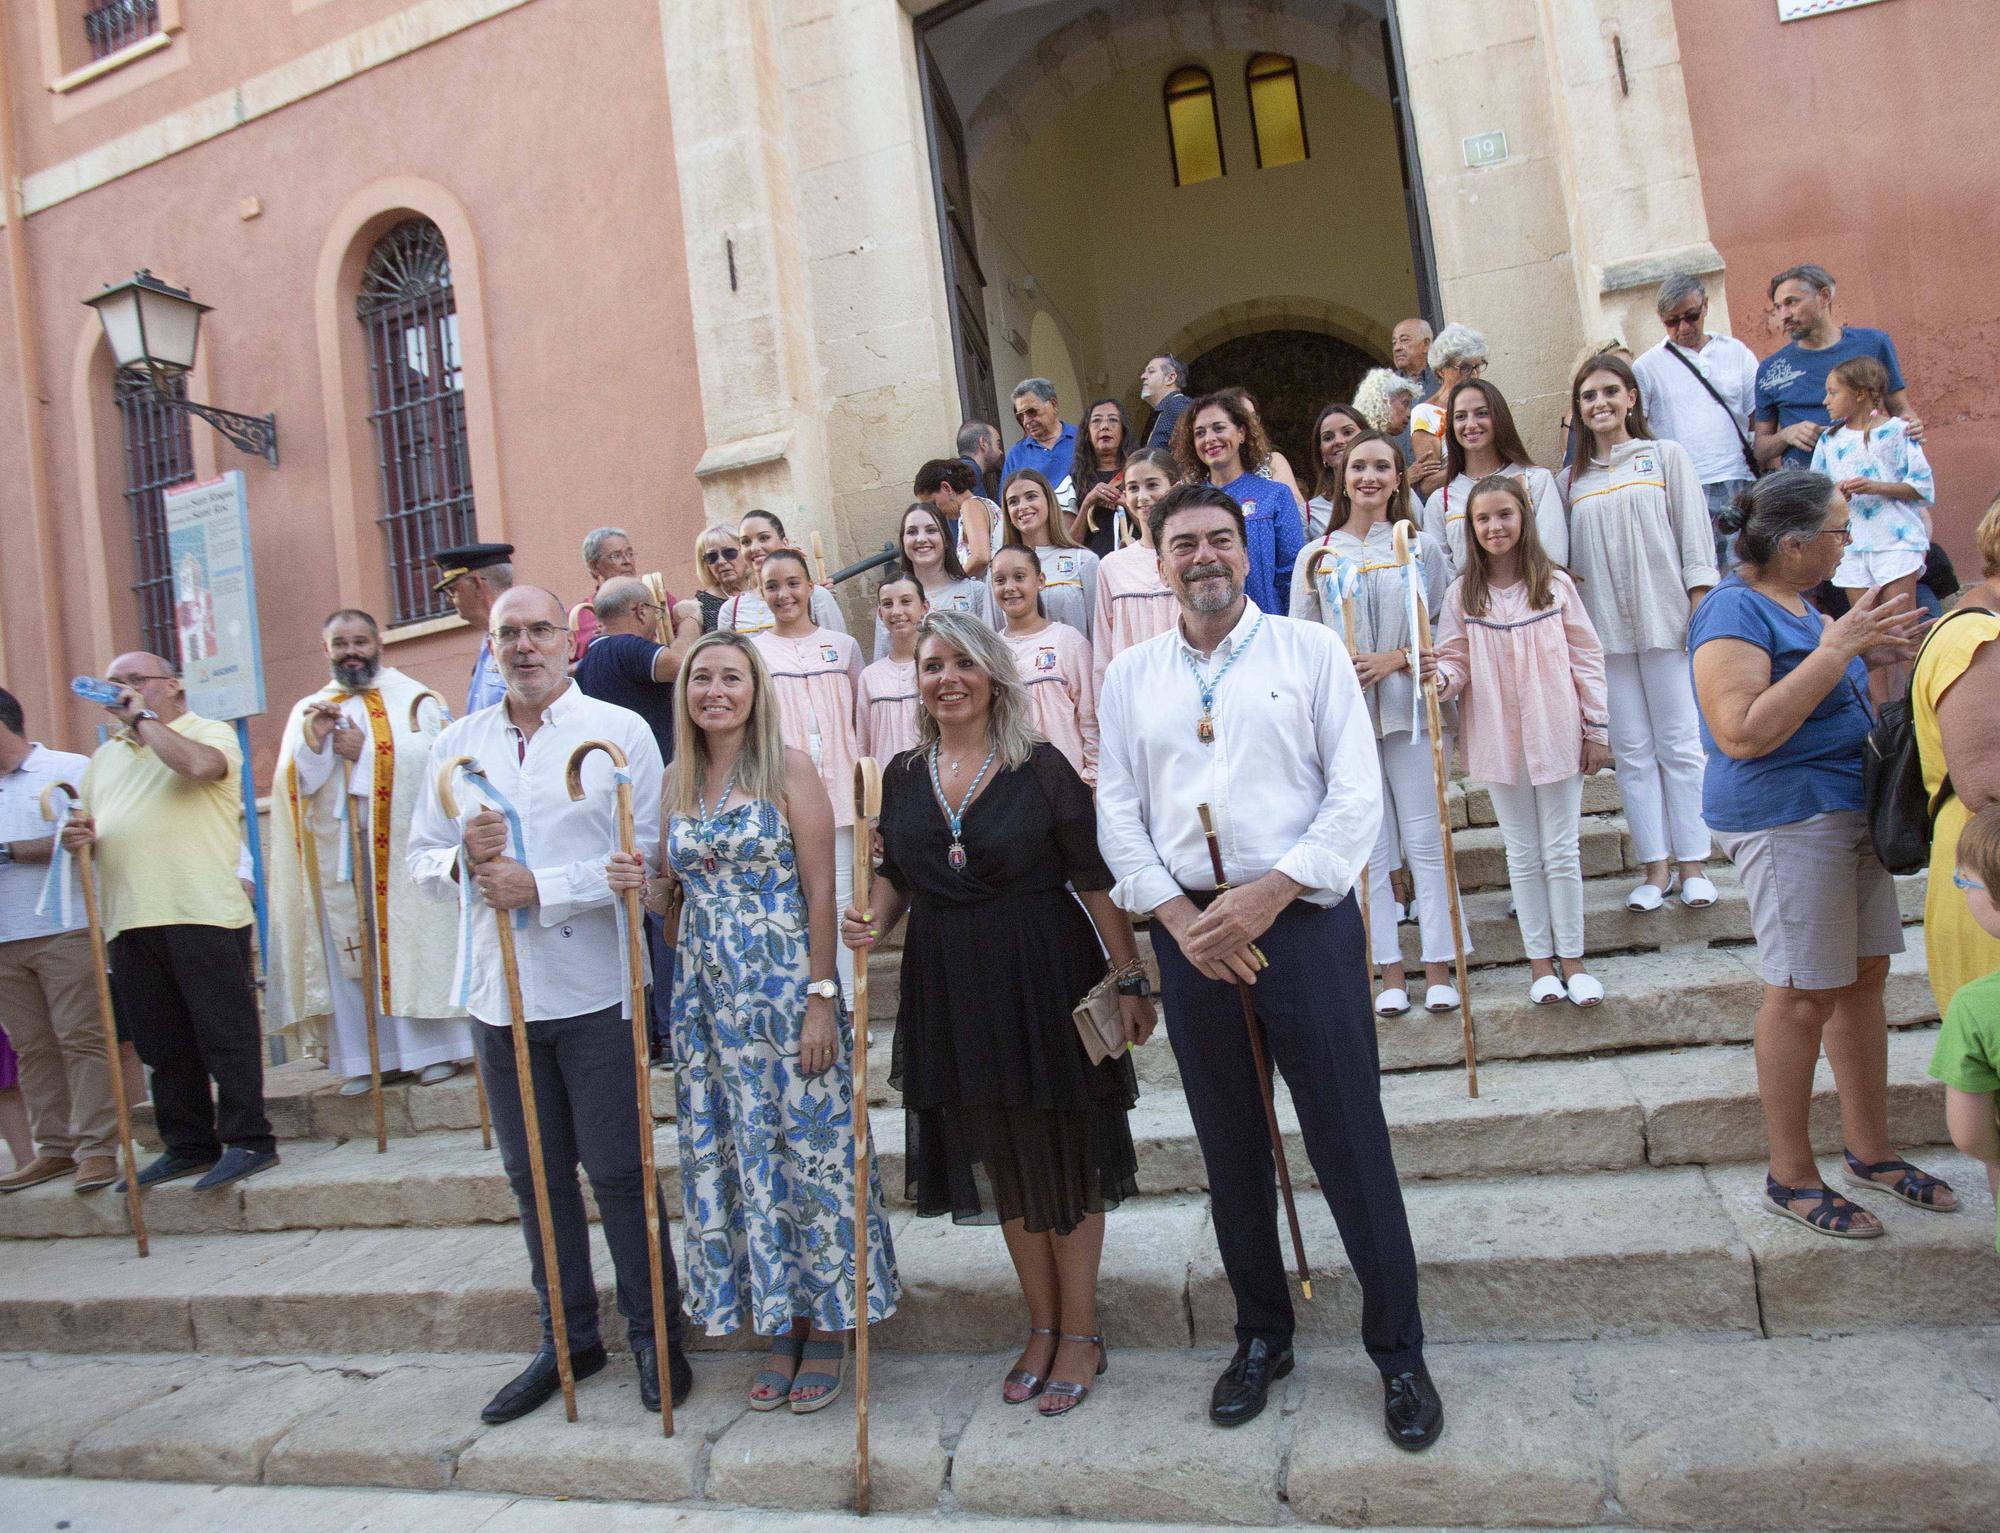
(163, 809)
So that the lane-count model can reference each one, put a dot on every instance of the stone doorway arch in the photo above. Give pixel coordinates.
(1294, 373)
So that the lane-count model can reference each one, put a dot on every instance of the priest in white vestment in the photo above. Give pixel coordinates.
(361, 745)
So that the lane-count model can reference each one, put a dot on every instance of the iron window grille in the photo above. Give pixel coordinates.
(417, 409)
(159, 453)
(116, 24)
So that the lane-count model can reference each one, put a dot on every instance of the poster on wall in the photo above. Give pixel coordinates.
(215, 596)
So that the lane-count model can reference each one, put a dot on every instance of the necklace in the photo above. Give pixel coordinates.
(704, 823)
(1204, 728)
(956, 822)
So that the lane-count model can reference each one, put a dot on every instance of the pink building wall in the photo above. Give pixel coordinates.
(1861, 140)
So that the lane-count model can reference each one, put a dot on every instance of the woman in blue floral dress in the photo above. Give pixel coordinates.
(765, 1102)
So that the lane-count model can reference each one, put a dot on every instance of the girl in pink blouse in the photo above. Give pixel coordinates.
(815, 678)
(1516, 646)
(1133, 603)
(1053, 658)
(885, 712)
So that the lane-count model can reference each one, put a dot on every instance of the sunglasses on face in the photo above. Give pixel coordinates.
(1675, 321)
(719, 556)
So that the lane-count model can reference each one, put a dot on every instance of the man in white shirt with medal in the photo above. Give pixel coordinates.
(1261, 719)
(532, 848)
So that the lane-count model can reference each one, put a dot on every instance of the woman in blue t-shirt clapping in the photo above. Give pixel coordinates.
(1783, 697)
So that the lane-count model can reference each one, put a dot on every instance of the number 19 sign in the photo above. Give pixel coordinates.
(215, 597)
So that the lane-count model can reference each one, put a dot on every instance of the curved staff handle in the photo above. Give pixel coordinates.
(867, 810)
(417, 705)
(100, 964)
(642, 1070)
(663, 625)
(818, 559)
(531, 1119)
(1261, 1062)
(450, 807)
(1420, 640)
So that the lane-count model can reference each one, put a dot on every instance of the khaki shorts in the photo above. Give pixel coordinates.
(1820, 899)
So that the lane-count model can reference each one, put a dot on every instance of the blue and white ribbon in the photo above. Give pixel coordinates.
(1414, 592)
(55, 902)
(1339, 582)
(461, 989)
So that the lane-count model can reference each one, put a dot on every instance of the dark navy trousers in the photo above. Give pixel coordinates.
(1319, 1032)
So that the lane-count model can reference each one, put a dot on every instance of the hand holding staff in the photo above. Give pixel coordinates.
(867, 809)
(1422, 640)
(531, 1121)
(1262, 1064)
(100, 964)
(635, 969)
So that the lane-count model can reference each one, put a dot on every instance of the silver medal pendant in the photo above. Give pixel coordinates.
(956, 857)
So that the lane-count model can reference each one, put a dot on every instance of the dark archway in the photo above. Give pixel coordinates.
(1293, 374)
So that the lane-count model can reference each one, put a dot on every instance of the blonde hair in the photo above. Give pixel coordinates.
(703, 541)
(1377, 388)
(1986, 538)
(1007, 718)
(760, 768)
(1978, 849)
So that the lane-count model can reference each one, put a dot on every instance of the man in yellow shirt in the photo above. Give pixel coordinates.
(164, 814)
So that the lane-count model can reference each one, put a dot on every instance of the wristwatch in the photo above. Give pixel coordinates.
(1135, 984)
(825, 989)
(142, 715)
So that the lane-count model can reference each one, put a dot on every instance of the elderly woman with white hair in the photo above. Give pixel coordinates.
(1458, 354)
(1385, 398)
(989, 841)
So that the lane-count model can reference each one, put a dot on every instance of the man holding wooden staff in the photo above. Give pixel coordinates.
(360, 747)
(545, 855)
(1261, 719)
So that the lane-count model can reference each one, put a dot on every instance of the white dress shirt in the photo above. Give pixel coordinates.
(1291, 777)
(1680, 410)
(570, 959)
(21, 820)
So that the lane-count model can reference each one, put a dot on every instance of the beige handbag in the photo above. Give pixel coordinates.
(1098, 1023)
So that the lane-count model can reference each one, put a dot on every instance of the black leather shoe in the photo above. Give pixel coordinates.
(236, 1163)
(646, 1357)
(1246, 1383)
(1411, 1409)
(538, 1383)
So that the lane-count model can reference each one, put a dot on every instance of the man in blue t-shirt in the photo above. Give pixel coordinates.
(624, 665)
(1790, 408)
(1048, 443)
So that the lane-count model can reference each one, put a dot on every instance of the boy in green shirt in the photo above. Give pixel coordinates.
(1967, 1058)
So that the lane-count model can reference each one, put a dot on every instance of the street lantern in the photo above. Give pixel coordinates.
(153, 330)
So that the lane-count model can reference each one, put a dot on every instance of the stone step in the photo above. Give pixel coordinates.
(1558, 1257)
(1765, 1434)
(1692, 1106)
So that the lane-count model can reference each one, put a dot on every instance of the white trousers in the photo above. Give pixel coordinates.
(406, 1043)
(1409, 834)
(1656, 747)
(1544, 865)
(843, 896)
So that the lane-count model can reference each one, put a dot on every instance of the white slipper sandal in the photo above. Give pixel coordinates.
(1546, 991)
(1392, 1003)
(1646, 898)
(1698, 893)
(1584, 990)
(357, 1086)
(1440, 998)
(437, 1074)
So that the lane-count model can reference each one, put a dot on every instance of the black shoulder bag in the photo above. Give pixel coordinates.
(1749, 452)
(1901, 816)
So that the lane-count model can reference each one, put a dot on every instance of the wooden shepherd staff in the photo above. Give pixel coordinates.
(1422, 637)
(1262, 1064)
(363, 877)
(100, 963)
(531, 1120)
(478, 1083)
(635, 973)
(867, 809)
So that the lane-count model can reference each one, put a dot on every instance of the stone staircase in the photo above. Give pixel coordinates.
(1623, 1336)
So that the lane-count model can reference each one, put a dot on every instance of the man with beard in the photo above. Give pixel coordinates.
(360, 746)
(1261, 719)
(1789, 410)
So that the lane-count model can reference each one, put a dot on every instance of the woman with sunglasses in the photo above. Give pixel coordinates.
(719, 566)
(1783, 698)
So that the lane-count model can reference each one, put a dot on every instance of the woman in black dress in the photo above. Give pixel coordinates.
(986, 831)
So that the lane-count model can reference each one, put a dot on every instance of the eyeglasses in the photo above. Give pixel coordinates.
(1691, 317)
(1843, 532)
(718, 555)
(1963, 882)
(536, 633)
(1472, 369)
(135, 681)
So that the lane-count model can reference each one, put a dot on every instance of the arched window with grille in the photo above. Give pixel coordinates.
(159, 452)
(417, 409)
(1194, 131)
(1277, 114)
